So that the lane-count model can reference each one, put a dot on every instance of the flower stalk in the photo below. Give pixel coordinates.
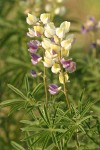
(65, 92)
(45, 85)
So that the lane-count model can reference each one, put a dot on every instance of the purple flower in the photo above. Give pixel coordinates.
(89, 25)
(53, 89)
(83, 30)
(33, 73)
(69, 65)
(35, 58)
(33, 46)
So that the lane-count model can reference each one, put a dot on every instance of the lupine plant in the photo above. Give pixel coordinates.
(92, 27)
(52, 121)
(55, 46)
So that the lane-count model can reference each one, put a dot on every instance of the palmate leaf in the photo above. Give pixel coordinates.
(37, 88)
(45, 142)
(17, 91)
(17, 146)
(11, 102)
(88, 106)
(27, 84)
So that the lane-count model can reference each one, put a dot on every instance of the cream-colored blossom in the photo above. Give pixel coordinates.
(60, 33)
(30, 32)
(55, 47)
(31, 19)
(49, 30)
(63, 29)
(64, 52)
(45, 18)
(56, 39)
(39, 29)
(66, 26)
(61, 78)
(48, 62)
(46, 43)
(66, 44)
(55, 68)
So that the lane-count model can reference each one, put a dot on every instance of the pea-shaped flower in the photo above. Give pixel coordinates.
(38, 30)
(63, 29)
(35, 74)
(50, 30)
(54, 89)
(35, 58)
(31, 33)
(31, 19)
(46, 43)
(66, 44)
(69, 65)
(45, 18)
(63, 79)
(48, 62)
(33, 46)
(55, 68)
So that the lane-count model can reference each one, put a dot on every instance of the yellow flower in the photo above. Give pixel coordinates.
(46, 43)
(63, 29)
(66, 26)
(64, 52)
(60, 32)
(48, 62)
(30, 32)
(55, 47)
(56, 39)
(45, 18)
(49, 54)
(39, 29)
(50, 30)
(31, 19)
(55, 68)
(67, 43)
(61, 78)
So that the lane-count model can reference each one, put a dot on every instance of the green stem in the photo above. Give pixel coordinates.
(76, 137)
(45, 85)
(93, 41)
(65, 90)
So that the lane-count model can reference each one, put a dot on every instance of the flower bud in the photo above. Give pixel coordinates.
(61, 78)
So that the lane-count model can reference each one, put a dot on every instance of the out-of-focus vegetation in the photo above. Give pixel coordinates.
(15, 60)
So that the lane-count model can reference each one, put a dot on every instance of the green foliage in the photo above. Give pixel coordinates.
(44, 128)
(54, 127)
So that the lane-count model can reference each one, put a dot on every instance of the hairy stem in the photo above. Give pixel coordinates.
(45, 85)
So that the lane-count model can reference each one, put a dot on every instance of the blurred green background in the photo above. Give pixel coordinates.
(15, 60)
